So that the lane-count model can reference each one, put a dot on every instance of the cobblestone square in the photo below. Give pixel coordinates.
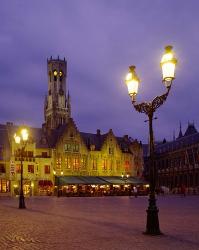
(98, 223)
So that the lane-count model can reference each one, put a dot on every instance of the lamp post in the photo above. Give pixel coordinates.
(21, 138)
(168, 64)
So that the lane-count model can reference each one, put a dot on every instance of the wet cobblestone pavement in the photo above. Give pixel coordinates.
(102, 223)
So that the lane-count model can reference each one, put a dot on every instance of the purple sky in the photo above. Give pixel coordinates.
(100, 39)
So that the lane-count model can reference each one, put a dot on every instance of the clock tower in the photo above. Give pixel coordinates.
(57, 107)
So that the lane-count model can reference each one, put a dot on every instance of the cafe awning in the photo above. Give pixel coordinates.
(97, 180)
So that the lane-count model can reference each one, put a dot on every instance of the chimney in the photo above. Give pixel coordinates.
(98, 132)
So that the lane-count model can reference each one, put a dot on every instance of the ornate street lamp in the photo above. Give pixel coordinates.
(21, 138)
(168, 64)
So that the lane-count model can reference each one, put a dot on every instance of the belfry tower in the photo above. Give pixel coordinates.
(57, 108)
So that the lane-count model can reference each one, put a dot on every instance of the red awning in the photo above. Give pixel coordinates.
(44, 183)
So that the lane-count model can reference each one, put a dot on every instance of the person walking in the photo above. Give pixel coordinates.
(135, 191)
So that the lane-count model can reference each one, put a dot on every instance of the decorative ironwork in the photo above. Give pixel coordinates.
(151, 107)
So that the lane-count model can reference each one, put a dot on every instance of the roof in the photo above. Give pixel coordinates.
(190, 129)
(93, 139)
(178, 144)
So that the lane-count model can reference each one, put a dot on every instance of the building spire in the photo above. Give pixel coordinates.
(180, 132)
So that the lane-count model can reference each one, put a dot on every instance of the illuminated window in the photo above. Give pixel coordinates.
(83, 162)
(4, 186)
(127, 166)
(47, 169)
(18, 168)
(67, 162)
(76, 163)
(94, 164)
(55, 75)
(104, 165)
(60, 75)
(31, 169)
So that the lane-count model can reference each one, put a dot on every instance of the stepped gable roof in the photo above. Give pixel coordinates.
(190, 129)
(55, 134)
(93, 139)
(124, 143)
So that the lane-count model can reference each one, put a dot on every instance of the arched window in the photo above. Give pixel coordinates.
(60, 75)
(55, 75)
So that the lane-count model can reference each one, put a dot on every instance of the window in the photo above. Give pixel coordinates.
(76, 148)
(117, 165)
(83, 162)
(105, 165)
(111, 150)
(31, 169)
(30, 153)
(18, 168)
(55, 75)
(58, 163)
(60, 75)
(67, 147)
(4, 186)
(111, 165)
(67, 162)
(47, 169)
(75, 163)
(94, 164)
(44, 154)
(127, 166)
(2, 168)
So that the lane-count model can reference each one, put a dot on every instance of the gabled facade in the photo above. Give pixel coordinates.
(60, 149)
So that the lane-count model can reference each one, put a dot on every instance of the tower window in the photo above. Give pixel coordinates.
(60, 75)
(55, 75)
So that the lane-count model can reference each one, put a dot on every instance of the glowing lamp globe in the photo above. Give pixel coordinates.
(132, 82)
(168, 64)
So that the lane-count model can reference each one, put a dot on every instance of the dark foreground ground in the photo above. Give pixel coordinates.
(107, 223)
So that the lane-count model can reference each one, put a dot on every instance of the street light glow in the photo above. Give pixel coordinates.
(132, 82)
(168, 63)
(24, 134)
